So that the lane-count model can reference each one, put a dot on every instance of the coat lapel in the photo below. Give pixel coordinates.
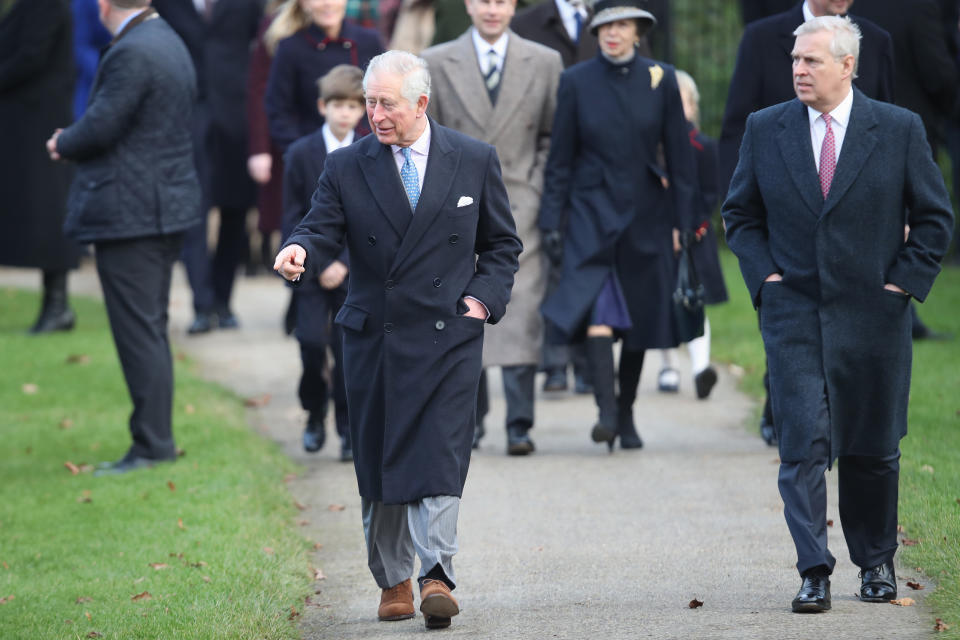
(797, 151)
(463, 70)
(788, 26)
(380, 172)
(858, 143)
(517, 76)
(442, 164)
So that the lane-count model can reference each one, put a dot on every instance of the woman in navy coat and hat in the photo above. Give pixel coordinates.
(619, 137)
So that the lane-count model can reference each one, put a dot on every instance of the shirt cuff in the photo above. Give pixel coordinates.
(481, 304)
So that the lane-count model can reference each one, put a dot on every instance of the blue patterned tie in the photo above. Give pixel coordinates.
(410, 179)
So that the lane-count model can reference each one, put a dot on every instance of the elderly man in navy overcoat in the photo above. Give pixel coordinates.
(816, 213)
(433, 249)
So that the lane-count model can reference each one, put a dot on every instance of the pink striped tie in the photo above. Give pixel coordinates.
(828, 158)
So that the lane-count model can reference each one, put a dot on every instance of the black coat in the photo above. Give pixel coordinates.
(603, 188)
(763, 76)
(752, 10)
(220, 49)
(541, 23)
(132, 147)
(316, 306)
(926, 73)
(301, 60)
(411, 360)
(703, 252)
(830, 318)
(36, 88)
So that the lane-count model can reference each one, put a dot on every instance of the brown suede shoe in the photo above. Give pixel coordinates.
(396, 603)
(437, 604)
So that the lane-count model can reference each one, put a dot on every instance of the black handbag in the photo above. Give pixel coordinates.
(688, 313)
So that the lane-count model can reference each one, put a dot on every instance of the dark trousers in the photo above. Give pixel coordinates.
(196, 261)
(135, 276)
(231, 252)
(315, 388)
(518, 391)
(868, 491)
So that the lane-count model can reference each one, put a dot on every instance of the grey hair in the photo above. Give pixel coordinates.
(846, 36)
(688, 85)
(416, 76)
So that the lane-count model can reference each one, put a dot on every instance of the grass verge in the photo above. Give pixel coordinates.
(930, 467)
(203, 548)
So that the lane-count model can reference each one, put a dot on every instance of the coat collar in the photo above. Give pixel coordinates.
(791, 20)
(139, 19)
(463, 70)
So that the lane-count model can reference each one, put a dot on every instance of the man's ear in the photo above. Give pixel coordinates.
(422, 105)
(849, 64)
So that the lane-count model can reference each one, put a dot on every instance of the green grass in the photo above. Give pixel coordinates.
(930, 467)
(75, 549)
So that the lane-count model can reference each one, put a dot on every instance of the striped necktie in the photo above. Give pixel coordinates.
(410, 179)
(492, 79)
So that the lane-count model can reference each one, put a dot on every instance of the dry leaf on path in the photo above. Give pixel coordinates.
(74, 469)
(318, 575)
(300, 506)
(336, 507)
(142, 596)
(903, 602)
(289, 477)
(303, 523)
(317, 546)
(257, 401)
(916, 586)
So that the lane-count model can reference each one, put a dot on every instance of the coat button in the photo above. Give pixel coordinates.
(454, 238)
(347, 44)
(387, 327)
(371, 240)
(440, 325)
(389, 284)
(321, 46)
(437, 282)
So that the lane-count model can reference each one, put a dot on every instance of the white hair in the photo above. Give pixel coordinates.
(416, 77)
(846, 36)
(688, 87)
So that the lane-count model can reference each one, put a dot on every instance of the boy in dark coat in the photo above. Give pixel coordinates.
(318, 301)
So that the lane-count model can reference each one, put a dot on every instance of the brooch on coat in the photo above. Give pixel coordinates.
(656, 75)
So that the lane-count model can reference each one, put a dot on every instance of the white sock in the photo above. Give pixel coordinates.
(699, 349)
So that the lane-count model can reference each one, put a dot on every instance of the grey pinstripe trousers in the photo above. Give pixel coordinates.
(396, 532)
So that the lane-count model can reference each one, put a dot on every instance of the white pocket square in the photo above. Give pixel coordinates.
(464, 201)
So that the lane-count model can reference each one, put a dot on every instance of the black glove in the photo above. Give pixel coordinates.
(552, 242)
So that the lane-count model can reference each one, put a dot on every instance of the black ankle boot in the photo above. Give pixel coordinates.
(600, 364)
(55, 315)
(631, 364)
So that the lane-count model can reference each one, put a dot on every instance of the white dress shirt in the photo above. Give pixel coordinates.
(807, 13)
(568, 15)
(840, 118)
(419, 151)
(330, 141)
(483, 50)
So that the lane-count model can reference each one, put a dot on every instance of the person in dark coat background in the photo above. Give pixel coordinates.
(752, 10)
(433, 249)
(606, 215)
(554, 24)
(36, 89)
(134, 195)
(89, 38)
(761, 78)
(318, 301)
(324, 40)
(219, 35)
(815, 215)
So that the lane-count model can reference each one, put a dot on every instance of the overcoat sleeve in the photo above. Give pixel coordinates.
(885, 75)
(114, 104)
(938, 74)
(546, 123)
(40, 31)
(279, 101)
(497, 245)
(321, 232)
(745, 218)
(295, 205)
(930, 218)
(743, 98)
(564, 142)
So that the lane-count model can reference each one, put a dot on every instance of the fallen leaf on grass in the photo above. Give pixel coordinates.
(66, 423)
(83, 599)
(180, 523)
(85, 497)
(171, 486)
(829, 523)
(916, 586)
(289, 477)
(317, 546)
(68, 621)
(257, 401)
(198, 565)
(268, 551)
(303, 523)
(5, 565)
(940, 625)
(139, 580)
(206, 578)
(910, 542)
(900, 528)
(926, 468)
(6, 599)
(157, 566)
(190, 409)
(695, 603)
(958, 500)
(903, 602)
(30, 388)
(142, 596)
(94, 634)
(336, 507)
(74, 469)
(293, 613)
(88, 616)
(78, 358)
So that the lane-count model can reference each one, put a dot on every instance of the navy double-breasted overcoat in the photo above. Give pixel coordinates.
(412, 361)
(830, 322)
(602, 186)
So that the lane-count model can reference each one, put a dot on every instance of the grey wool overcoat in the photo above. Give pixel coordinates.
(412, 361)
(830, 322)
(518, 125)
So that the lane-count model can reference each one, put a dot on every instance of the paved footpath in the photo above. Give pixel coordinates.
(571, 542)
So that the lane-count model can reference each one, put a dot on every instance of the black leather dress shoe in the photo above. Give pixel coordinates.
(704, 382)
(518, 442)
(226, 319)
(346, 452)
(878, 584)
(768, 433)
(814, 594)
(314, 435)
(51, 320)
(556, 380)
(202, 323)
(581, 386)
(126, 464)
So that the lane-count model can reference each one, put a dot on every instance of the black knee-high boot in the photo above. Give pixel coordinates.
(55, 315)
(631, 364)
(600, 365)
